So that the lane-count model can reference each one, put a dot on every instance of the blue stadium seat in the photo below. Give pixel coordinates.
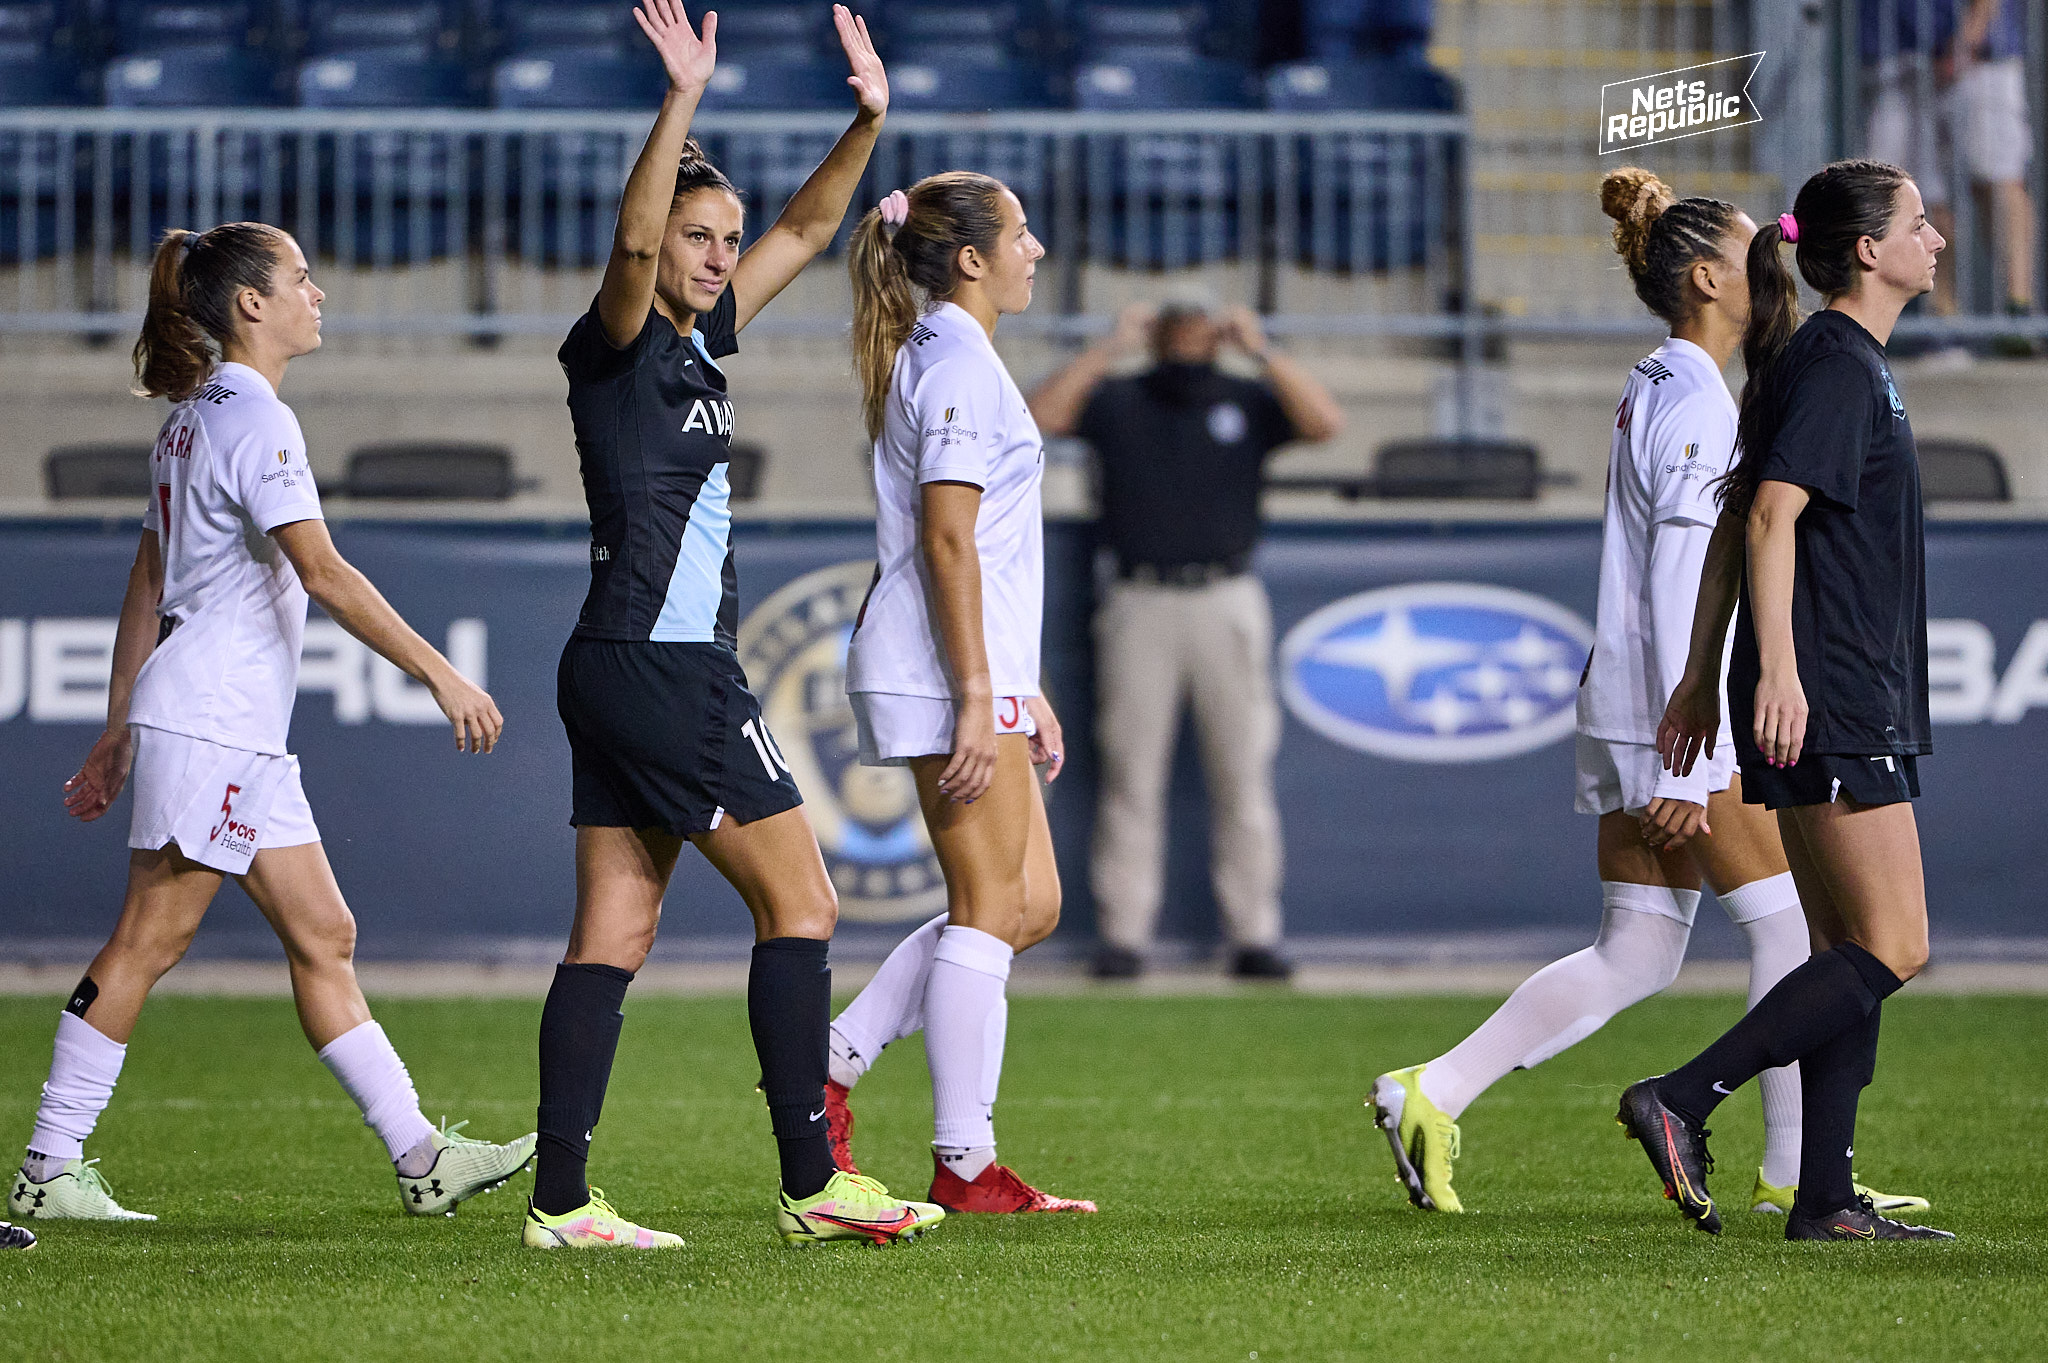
(189, 78)
(1371, 83)
(338, 26)
(577, 78)
(155, 25)
(27, 24)
(949, 84)
(381, 78)
(32, 76)
(767, 30)
(1141, 83)
(535, 25)
(976, 32)
(1112, 33)
(1339, 29)
(748, 84)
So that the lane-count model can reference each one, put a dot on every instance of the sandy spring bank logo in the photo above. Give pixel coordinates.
(1686, 102)
(1437, 671)
(793, 646)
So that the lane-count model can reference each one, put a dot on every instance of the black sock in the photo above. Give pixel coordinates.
(789, 1008)
(1828, 994)
(579, 1035)
(1831, 1080)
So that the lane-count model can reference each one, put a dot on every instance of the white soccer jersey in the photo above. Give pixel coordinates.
(230, 466)
(1674, 434)
(954, 415)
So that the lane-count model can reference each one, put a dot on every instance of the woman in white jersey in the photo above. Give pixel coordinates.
(943, 668)
(206, 665)
(1659, 833)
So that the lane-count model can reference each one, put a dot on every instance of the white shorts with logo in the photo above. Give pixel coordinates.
(1624, 775)
(894, 728)
(220, 805)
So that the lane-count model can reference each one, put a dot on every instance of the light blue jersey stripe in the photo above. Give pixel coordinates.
(697, 587)
(697, 339)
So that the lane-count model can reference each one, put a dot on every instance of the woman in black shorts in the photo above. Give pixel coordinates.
(668, 743)
(1827, 685)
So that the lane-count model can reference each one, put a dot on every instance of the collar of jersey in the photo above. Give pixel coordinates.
(1678, 345)
(960, 319)
(225, 365)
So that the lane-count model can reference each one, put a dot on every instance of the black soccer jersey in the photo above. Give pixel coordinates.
(1859, 596)
(653, 426)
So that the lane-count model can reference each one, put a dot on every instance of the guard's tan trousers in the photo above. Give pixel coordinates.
(1155, 649)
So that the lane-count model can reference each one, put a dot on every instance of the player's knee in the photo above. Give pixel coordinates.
(1041, 916)
(814, 915)
(151, 949)
(326, 940)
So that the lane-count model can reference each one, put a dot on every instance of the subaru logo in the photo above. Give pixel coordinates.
(877, 852)
(1437, 671)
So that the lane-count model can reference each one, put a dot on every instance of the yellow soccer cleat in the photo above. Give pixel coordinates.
(594, 1225)
(853, 1207)
(1423, 1138)
(1770, 1198)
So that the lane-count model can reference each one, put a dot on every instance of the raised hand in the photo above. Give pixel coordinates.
(1242, 329)
(869, 81)
(688, 58)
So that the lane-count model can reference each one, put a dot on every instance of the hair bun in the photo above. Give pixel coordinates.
(1635, 198)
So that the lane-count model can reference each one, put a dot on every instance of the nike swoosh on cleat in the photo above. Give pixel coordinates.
(1724, 1092)
(1870, 1234)
(903, 1222)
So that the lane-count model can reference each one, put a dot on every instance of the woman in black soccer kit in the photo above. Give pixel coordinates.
(668, 743)
(1827, 684)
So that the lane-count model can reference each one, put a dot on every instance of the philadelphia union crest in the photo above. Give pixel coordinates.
(793, 647)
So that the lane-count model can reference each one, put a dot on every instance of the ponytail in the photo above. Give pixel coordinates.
(891, 267)
(193, 280)
(1836, 208)
(884, 311)
(1661, 237)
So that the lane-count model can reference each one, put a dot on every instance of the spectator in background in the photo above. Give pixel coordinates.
(1181, 448)
(1951, 92)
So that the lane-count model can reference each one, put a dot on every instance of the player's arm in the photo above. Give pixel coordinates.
(97, 783)
(946, 536)
(1310, 409)
(357, 606)
(628, 289)
(1678, 552)
(1780, 699)
(812, 216)
(1057, 403)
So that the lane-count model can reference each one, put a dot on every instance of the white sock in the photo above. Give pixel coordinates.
(966, 1163)
(1769, 915)
(889, 1009)
(966, 1016)
(362, 1059)
(1643, 931)
(85, 1063)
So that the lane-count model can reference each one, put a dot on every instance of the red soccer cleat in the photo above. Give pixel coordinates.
(839, 1125)
(996, 1189)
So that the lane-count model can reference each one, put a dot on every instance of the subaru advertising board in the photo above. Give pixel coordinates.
(1428, 674)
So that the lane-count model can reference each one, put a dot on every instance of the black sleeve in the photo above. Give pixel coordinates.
(1271, 427)
(1096, 414)
(587, 356)
(1829, 411)
(720, 339)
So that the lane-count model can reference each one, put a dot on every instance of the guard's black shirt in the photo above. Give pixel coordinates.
(1859, 592)
(1182, 450)
(653, 426)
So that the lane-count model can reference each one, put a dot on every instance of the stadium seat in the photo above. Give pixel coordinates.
(774, 32)
(1445, 469)
(35, 77)
(379, 78)
(533, 26)
(189, 78)
(28, 26)
(155, 25)
(973, 32)
(1121, 32)
(577, 78)
(110, 469)
(1368, 83)
(1152, 83)
(1961, 471)
(778, 85)
(335, 27)
(1342, 29)
(430, 471)
(967, 87)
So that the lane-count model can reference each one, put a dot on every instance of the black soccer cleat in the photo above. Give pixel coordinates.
(1677, 1151)
(1858, 1221)
(16, 1237)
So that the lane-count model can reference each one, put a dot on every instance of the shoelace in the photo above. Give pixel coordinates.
(1455, 1139)
(1706, 1158)
(871, 1186)
(453, 1134)
(597, 1201)
(93, 1178)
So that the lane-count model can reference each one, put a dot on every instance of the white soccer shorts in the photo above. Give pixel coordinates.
(894, 729)
(220, 805)
(1624, 775)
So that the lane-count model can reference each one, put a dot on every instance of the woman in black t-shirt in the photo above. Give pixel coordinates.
(1827, 684)
(666, 740)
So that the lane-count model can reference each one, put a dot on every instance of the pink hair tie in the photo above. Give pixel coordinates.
(895, 210)
(1789, 225)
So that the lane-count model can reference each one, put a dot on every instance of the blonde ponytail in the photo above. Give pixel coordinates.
(193, 280)
(884, 311)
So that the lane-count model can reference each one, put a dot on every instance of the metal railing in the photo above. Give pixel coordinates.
(497, 223)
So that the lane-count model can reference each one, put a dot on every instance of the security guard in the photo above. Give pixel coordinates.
(1181, 449)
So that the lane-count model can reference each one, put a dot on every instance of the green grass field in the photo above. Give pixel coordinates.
(1249, 1212)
